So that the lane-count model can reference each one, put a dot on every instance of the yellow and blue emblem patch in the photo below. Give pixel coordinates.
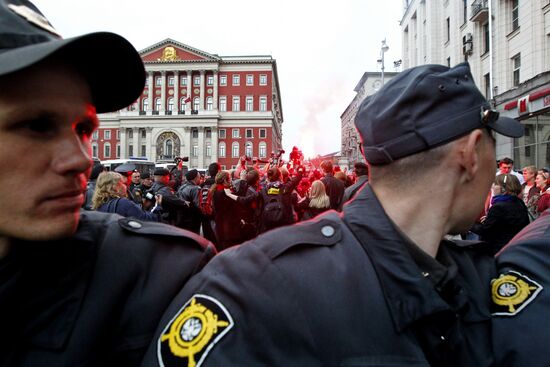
(512, 292)
(193, 332)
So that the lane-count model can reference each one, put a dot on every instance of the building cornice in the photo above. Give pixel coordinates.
(169, 41)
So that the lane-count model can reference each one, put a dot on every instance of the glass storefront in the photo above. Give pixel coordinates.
(534, 147)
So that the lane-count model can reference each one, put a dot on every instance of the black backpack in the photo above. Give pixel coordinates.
(273, 213)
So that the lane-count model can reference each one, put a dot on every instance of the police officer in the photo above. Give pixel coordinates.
(521, 302)
(379, 284)
(76, 288)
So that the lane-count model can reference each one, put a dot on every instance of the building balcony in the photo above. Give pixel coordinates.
(479, 11)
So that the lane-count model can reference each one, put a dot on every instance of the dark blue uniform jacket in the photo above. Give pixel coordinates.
(334, 291)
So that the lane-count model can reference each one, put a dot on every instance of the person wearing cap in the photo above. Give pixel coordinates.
(77, 288)
(177, 212)
(362, 176)
(377, 284)
(189, 191)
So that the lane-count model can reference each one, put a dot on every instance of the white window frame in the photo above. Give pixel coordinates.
(514, 17)
(235, 150)
(107, 134)
(236, 103)
(143, 150)
(223, 103)
(236, 133)
(95, 135)
(158, 103)
(117, 153)
(209, 103)
(247, 135)
(197, 80)
(158, 81)
(107, 149)
(221, 133)
(236, 80)
(171, 81)
(263, 103)
(171, 104)
(262, 149)
(263, 133)
(516, 70)
(145, 104)
(208, 150)
(221, 150)
(183, 81)
(183, 104)
(249, 103)
(195, 150)
(210, 80)
(94, 150)
(263, 79)
(249, 79)
(196, 103)
(223, 80)
(249, 149)
(117, 134)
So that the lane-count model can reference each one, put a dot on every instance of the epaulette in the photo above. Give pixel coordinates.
(324, 230)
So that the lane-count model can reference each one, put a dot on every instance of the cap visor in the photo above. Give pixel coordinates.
(110, 64)
(508, 127)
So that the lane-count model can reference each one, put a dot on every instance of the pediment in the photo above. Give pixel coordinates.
(174, 51)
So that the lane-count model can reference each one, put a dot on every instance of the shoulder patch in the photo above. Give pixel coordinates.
(512, 292)
(193, 332)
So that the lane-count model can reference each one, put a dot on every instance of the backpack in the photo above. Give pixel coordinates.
(205, 201)
(273, 213)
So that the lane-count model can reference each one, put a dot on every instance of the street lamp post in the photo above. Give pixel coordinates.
(383, 49)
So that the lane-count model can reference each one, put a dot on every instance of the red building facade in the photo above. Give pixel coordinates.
(198, 105)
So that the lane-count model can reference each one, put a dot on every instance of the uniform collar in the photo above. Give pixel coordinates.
(409, 294)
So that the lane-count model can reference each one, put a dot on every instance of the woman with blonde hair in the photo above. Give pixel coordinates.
(507, 215)
(110, 196)
(315, 202)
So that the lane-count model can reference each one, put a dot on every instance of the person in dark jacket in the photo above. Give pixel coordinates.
(177, 212)
(315, 202)
(110, 197)
(189, 192)
(507, 214)
(228, 223)
(97, 168)
(334, 187)
(362, 176)
(77, 287)
(379, 284)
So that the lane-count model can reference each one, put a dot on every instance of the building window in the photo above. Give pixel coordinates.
(235, 150)
(118, 150)
(208, 133)
(195, 133)
(183, 103)
(107, 134)
(130, 150)
(236, 79)
(487, 83)
(158, 81)
(143, 133)
(168, 148)
(515, 14)
(516, 65)
(130, 133)
(171, 104)
(144, 150)
(209, 104)
(486, 39)
(248, 149)
(448, 28)
(223, 80)
(236, 103)
(235, 134)
(195, 150)
(223, 103)
(249, 79)
(95, 134)
(208, 150)
(196, 103)
(249, 103)
(262, 150)
(221, 148)
(197, 80)
(210, 80)
(221, 133)
(263, 79)
(117, 134)
(183, 82)
(107, 150)
(528, 151)
(263, 103)
(263, 134)
(157, 104)
(464, 11)
(171, 81)
(145, 104)
(248, 133)
(94, 150)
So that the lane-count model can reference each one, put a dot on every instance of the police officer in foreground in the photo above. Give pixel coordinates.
(76, 288)
(378, 285)
(521, 300)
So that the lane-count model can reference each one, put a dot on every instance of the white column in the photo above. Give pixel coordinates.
(190, 90)
(215, 95)
(150, 91)
(214, 142)
(186, 142)
(176, 91)
(201, 101)
(135, 139)
(151, 145)
(123, 148)
(201, 147)
(163, 91)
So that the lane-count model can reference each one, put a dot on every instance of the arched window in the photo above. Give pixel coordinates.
(221, 150)
(168, 148)
(235, 150)
(262, 148)
(182, 104)
(248, 149)
(209, 104)
(157, 104)
(171, 104)
(145, 104)
(196, 103)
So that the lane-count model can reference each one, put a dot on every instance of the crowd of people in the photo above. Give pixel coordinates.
(376, 277)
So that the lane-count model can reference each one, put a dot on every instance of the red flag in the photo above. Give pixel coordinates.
(188, 99)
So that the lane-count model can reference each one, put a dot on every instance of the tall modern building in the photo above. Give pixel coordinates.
(507, 43)
(197, 105)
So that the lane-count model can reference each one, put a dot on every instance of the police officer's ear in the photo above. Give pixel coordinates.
(470, 150)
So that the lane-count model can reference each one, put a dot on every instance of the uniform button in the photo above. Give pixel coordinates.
(327, 231)
(134, 224)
